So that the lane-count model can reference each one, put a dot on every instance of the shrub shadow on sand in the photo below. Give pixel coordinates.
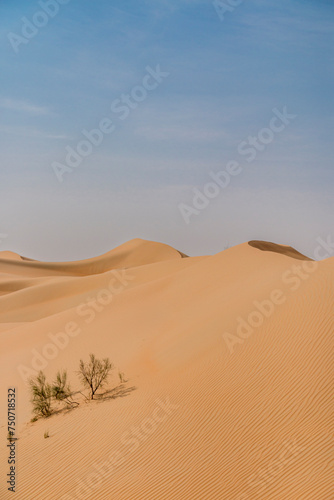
(121, 391)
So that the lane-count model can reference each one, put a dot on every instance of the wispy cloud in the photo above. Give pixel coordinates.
(181, 133)
(31, 132)
(24, 107)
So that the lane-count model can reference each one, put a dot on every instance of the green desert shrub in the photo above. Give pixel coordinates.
(61, 390)
(41, 395)
(94, 374)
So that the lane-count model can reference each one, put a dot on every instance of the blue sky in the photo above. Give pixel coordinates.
(225, 78)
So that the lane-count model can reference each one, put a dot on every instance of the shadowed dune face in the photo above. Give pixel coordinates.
(228, 362)
(266, 246)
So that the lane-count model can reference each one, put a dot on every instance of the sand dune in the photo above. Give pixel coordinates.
(229, 367)
(136, 252)
(10, 255)
(266, 246)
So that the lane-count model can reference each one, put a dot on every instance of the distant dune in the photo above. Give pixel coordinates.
(229, 366)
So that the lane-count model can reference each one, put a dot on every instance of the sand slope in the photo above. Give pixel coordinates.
(229, 365)
(136, 252)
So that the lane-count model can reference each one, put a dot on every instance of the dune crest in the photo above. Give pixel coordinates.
(266, 246)
(10, 255)
(133, 253)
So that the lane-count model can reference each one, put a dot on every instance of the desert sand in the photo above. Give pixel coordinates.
(228, 361)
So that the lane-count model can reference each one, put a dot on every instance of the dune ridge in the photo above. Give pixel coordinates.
(266, 246)
(135, 252)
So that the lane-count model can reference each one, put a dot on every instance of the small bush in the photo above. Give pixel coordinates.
(46, 434)
(94, 374)
(61, 390)
(41, 396)
(10, 437)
